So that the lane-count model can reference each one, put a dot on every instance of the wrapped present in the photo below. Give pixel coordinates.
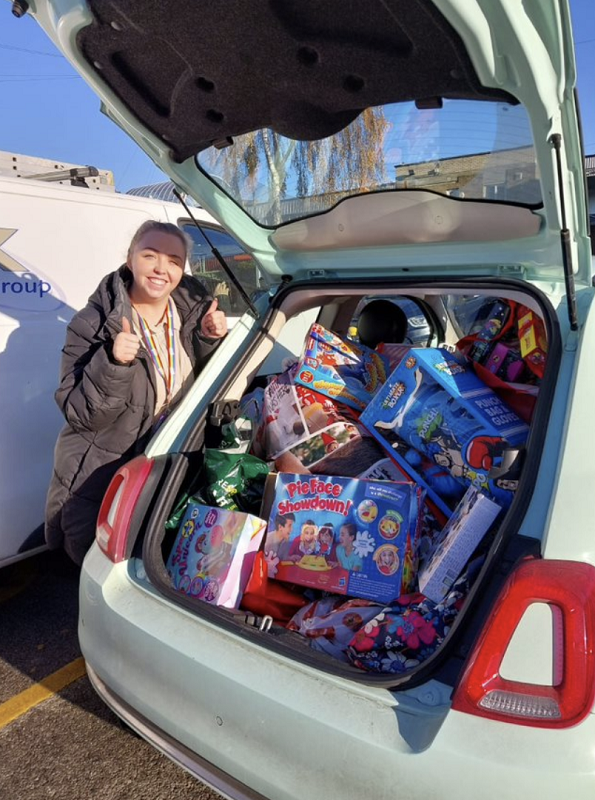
(331, 622)
(437, 405)
(403, 635)
(452, 550)
(233, 480)
(340, 369)
(342, 535)
(213, 554)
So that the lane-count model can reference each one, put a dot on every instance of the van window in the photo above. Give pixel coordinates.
(207, 269)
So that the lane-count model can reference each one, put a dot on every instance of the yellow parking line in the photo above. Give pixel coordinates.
(24, 701)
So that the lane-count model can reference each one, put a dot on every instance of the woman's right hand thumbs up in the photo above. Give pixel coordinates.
(126, 344)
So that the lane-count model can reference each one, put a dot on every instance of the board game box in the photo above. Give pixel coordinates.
(469, 523)
(343, 535)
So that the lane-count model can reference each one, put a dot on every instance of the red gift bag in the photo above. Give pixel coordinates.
(265, 596)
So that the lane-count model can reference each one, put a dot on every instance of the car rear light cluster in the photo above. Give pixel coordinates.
(568, 587)
(117, 508)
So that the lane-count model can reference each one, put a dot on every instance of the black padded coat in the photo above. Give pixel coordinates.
(109, 407)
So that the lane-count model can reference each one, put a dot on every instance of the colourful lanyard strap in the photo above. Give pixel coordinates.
(170, 340)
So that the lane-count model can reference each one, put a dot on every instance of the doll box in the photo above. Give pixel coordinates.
(340, 369)
(438, 406)
(343, 535)
(213, 553)
(455, 545)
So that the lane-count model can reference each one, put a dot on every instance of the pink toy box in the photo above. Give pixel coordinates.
(213, 554)
(343, 535)
(340, 369)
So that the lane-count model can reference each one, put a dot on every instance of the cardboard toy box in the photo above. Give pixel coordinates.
(340, 369)
(466, 528)
(533, 342)
(438, 406)
(214, 552)
(343, 535)
(304, 431)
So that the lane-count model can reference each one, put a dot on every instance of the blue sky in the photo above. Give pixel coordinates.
(48, 111)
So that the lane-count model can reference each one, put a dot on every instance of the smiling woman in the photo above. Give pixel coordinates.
(128, 358)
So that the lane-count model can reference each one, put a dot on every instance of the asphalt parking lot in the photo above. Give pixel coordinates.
(57, 738)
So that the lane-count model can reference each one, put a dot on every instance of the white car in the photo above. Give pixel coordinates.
(429, 150)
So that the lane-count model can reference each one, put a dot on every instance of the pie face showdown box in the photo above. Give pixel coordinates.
(438, 406)
(344, 535)
(213, 553)
(340, 369)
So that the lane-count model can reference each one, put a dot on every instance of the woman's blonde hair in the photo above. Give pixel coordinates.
(160, 227)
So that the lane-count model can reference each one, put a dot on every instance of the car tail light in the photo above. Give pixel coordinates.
(117, 508)
(568, 587)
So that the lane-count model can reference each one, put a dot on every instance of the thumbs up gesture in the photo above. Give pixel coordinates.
(126, 344)
(214, 324)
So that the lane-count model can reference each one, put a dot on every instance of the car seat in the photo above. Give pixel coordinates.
(381, 321)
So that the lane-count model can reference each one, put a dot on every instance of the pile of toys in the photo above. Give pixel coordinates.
(370, 490)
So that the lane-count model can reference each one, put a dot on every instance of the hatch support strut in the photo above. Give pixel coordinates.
(556, 140)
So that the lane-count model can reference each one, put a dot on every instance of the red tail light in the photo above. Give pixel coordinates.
(568, 587)
(115, 514)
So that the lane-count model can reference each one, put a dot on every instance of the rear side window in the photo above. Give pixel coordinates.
(207, 269)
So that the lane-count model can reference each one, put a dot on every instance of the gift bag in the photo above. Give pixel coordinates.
(263, 596)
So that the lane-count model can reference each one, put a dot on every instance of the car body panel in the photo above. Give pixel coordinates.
(247, 715)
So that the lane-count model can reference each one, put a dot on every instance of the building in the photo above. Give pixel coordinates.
(45, 169)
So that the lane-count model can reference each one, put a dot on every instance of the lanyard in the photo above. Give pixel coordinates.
(169, 377)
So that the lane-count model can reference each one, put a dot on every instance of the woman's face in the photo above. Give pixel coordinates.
(157, 266)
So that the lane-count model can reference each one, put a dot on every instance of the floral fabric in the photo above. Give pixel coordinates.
(391, 638)
(410, 630)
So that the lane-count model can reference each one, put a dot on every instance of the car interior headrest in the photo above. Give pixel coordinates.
(381, 321)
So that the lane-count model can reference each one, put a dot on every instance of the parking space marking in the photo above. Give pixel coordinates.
(24, 701)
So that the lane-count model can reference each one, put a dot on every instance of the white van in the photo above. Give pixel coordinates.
(56, 243)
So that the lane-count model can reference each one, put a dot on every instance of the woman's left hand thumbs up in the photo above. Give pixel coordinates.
(214, 324)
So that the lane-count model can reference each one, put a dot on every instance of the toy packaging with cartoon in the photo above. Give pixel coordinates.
(340, 369)
(213, 554)
(343, 535)
(439, 407)
(304, 431)
(466, 528)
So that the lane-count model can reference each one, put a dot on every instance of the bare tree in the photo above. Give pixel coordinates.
(263, 169)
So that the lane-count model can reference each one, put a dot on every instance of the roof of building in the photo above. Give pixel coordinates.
(161, 191)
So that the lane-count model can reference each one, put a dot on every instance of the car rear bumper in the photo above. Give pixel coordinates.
(287, 731)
